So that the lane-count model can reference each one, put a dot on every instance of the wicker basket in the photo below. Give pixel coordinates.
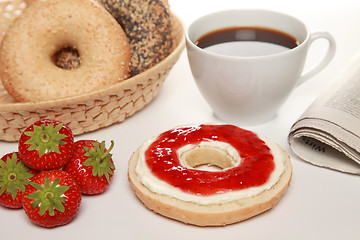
(91, 111)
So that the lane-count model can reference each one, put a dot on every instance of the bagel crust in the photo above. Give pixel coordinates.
(27, 68)
(147, 24)
(211, 214)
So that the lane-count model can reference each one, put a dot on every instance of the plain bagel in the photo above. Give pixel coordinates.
(27, 65)
(175, 199)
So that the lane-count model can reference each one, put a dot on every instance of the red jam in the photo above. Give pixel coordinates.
(256, 165)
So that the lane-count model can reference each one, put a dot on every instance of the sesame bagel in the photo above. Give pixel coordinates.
(147, 24)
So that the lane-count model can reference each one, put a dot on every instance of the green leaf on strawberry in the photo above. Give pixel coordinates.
(49, 196)
(45, 138)
(14, 176)
(99, 159)
(52, 198)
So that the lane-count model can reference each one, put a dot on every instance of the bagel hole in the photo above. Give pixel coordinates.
(207, 159)
(67, 58)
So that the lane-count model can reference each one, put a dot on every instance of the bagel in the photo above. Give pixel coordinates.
(147, 24)
(254, 174)
(27, 52)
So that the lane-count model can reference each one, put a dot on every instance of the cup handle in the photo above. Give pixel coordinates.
(327, 58)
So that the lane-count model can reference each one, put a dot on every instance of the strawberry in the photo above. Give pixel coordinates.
(52, 198)
(91, 166)
(14, 176)
(46, 145)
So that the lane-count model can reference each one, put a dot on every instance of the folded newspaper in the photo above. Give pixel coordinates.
(328, 132)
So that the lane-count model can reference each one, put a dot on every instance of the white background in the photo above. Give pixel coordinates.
(320, 203)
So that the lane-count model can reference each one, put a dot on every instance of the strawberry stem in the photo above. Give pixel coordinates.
(45, 138)
(49, 196)
(108, 151)
(12, 177)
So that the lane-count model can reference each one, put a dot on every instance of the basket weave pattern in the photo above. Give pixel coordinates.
(91, 111)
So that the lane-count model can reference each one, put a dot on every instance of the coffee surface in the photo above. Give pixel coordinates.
(257, 34)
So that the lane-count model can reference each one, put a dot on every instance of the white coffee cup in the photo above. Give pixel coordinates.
(249, 90)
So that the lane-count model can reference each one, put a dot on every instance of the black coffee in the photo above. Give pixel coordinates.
(247, 41)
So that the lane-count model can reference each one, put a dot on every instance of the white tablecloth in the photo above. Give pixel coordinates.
(320, 203)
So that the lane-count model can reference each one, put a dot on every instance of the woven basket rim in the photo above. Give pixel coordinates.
(127, 84)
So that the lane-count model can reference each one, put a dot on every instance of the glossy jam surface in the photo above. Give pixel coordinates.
(256, 165)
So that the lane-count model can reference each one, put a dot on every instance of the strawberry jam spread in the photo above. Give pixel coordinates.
(257, 162)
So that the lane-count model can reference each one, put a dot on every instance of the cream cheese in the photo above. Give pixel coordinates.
(158, 186)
